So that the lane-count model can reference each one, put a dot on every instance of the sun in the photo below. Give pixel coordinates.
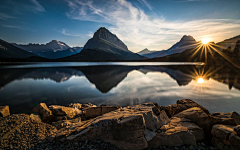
(205, 40)
(200, 80)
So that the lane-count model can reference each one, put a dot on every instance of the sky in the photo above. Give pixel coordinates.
(152, 24)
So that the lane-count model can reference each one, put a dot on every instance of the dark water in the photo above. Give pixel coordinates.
(23, 87)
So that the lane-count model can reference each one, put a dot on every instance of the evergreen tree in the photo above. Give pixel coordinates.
(237, 48)
(229, 48)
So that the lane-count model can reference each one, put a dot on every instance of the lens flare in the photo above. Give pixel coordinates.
(205, 41)
(200, 80)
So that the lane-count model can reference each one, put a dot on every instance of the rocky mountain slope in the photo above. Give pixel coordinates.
(8, 50)
(104, 46)
(229, 42)
(186, 42)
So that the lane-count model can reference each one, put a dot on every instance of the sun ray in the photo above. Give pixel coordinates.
(198, 48)
(224, 56)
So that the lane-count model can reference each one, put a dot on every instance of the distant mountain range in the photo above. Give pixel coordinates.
(145, 51)
(52, 50)
(186, 42)
(8, 50)
(103, 46)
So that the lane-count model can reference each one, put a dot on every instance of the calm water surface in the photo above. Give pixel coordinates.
(24, 86)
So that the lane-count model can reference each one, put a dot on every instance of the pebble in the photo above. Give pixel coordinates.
(200, 146)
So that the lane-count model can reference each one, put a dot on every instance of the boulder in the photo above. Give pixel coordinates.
(66, 123)
(200, 118)
(35, 117)
(193, 114)
(58, 118)
(237, 129)
(92, 112)
(127, 128)
(183, 105)
(88, 105)
(178, 132)
(232, 114)
(4, 111)
(186, 123)
(75, 105)
(208, 122)
(225, 138)
(69, 112)
(43, 110)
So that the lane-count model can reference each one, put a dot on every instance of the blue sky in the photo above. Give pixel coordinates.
(152, 24)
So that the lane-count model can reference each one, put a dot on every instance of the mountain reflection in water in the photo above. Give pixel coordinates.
(24, 88)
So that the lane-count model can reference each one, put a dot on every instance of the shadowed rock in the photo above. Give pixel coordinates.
(43, 110)
(178, 132)
(128, 128)
(225, 138)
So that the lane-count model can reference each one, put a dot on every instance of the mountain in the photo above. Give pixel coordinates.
(229, 42)
(106, 77)
(56, 74)
(145, 51)
(52, 50)
(104, 46)
(186, 42)
(59, 54)
(8, 51)
(179, 76)
(54, 45)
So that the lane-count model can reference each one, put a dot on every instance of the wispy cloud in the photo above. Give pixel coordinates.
(10, 26)
(17, 27)
(38, 6)
(5, 16)
(68, 34)
(146, 3)
(139, 30)
(65, 32)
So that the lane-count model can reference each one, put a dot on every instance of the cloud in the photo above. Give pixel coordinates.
(64, 32)
(10, 26)
(146, 3)
(5, 16)
(38, 6)
(139, 30)
(17, 27)
(68, 34)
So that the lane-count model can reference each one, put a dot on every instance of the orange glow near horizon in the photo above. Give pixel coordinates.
(205, 40)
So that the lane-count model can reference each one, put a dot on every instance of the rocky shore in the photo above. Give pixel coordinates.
(185, 125)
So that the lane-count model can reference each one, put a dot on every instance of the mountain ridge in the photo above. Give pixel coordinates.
(185, 42)
(104, 46)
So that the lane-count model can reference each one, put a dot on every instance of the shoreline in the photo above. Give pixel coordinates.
(184, 125)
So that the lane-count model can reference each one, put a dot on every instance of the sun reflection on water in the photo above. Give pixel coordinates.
(200, 80)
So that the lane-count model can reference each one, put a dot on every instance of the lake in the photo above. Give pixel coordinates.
(24, 86)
